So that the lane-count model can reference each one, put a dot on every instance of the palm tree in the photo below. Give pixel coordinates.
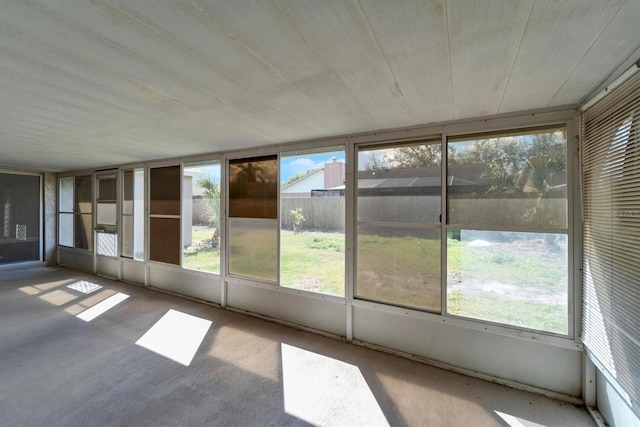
(212, 199)
(537, 179)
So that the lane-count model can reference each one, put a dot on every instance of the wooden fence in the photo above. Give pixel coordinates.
(320, 213)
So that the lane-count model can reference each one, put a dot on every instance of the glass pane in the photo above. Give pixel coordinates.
(399, 265)
(400, 184)
(65, 229)
(107, 188)
(312, 209)
(133, 214)
(127, 236)
(107, 244)
(83, 194)
(66, 194)
(107, 214)
(519, 279)
(253, 188)
(164, 240)
(127, 193)
(201, 217)
(164, 191)
(83, 231)
(138, 214)
(516, 179)
(19, 218)
(253, 245)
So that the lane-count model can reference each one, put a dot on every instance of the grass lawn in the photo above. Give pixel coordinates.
(201, 255)
(313, 261)
(405, 271)
(514, 283)
(402, 270)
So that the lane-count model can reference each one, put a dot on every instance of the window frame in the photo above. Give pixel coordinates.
(429, 140)
(313, 150)
(243, 157)
(213, 161)
(122, 215)
(573, 233)
(150, 215)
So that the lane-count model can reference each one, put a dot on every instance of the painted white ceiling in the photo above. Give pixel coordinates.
(95, 83)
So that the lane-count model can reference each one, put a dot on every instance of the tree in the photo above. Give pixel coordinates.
(298, 176)
(211, 199)
(248, 173)
(410, 156)
(535, 170)
(417, 156)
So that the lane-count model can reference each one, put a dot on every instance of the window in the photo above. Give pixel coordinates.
(107, 215)
(133, 214)
(253, 218)
(164, 214)
(201, 216)
(83, 213)
(19, 218)
(398, 225)
(65, 215)
(312, 210)
(507, 259)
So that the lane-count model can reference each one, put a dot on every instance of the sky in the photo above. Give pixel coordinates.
(300, 164)
(289, 165)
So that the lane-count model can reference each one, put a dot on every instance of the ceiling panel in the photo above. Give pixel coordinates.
(93, 84)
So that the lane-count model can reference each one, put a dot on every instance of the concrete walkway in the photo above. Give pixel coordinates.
(105, 353)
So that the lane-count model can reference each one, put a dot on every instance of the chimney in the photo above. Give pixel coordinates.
(333, 173)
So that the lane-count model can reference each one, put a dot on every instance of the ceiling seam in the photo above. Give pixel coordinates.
(317, 52)
(586, 54)
(395, 86)
(515, 57)
(162, 70)
(453, 94)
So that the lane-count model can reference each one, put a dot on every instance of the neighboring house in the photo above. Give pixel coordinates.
(302, 187)
(331, 176)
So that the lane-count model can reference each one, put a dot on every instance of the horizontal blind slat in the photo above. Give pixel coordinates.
(611, 242)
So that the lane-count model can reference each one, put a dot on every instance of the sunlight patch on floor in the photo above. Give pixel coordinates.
(51, 285)
(248, 351)
(176, 336)
(81, 306)
(325, 391)
(29, 290)
(58, 297)
(515, 421)
(84, 286)
(91, 313)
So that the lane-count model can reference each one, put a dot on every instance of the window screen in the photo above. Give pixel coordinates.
(253, 214)
(611, 185)
(507, 232)
(164, 214)
(19, 218)
(398, 224)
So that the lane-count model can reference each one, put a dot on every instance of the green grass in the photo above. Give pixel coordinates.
(313, 261)
(499, 265)
(526, 279)
(401, 270)
(398, 270)
(522, 313)
(202, 258)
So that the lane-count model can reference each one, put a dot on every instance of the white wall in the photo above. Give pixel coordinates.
(613, 406)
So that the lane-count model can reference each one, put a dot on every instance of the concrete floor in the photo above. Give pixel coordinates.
(154, 359)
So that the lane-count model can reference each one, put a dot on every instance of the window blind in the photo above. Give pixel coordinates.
(611, 197)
